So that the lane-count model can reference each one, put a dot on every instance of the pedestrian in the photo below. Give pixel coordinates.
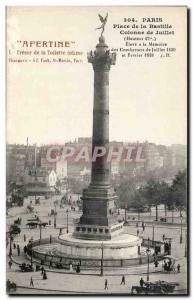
(10, 264)
(156, 263)
(71, 267)
(78, 268)
(163, 237)
(25, 249)
(143, 227)
(106, 284)
(123, 280)
(50, 265)
(18, 250)
(31, 282)
(178, 268)
(137, 232)
(141, 282)
(42, 270)
(24, 238)
(14, 245)
(45, 275)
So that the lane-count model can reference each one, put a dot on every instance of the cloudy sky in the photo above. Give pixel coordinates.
(53, 102)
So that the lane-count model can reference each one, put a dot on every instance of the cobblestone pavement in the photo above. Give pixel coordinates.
(64, 282)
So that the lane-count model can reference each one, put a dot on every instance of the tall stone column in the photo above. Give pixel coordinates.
(101, 60)
(98, 199)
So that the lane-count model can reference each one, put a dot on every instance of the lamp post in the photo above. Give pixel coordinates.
(10, 245)
(55, 215)
(138, 215)
(181, 230)
(125, 212)
(172, 214)
(101, 259)
(40, 226)
(153, 233)
(185, 254)
(148, 251)
(67, 221)
(31, 257)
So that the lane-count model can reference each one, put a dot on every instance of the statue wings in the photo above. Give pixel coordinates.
(103, 20)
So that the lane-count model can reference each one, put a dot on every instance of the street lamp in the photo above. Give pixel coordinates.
(153, 233)
(148, 251)
(181, 230)
(172, 214)
(40, 226)
(185, 254)
(10, 245)
(67, 221)
(125, 212)
(31, 257)
(101, 259)
(55, 215)
(138, 215)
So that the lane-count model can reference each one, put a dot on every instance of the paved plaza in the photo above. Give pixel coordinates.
(90, 281)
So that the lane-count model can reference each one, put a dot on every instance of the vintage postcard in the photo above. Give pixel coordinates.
(96, 150)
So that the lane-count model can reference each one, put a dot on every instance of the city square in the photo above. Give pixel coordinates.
(65, 281)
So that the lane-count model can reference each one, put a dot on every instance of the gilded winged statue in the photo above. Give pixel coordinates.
(103, 21)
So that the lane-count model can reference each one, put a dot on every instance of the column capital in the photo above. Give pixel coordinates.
(101, 58)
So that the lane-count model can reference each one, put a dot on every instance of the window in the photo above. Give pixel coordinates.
(106, 230)
(83, 229)
(77, 228)
(94, 229)
(101, 230)
(89, 229)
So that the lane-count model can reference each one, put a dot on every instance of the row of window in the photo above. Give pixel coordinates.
(100, 230)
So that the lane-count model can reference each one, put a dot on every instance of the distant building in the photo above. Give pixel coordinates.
(44, 162)
(152, 157)
(61, 169)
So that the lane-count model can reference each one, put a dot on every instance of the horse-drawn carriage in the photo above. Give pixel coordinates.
(18, 221)
(11, 286)
(37, 201)
(32, 224)
(169, 264)
(43, 224)
(157, 287)
(26, 267)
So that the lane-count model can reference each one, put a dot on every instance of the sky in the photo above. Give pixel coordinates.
(53, 102)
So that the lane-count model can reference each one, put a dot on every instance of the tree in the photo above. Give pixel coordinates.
(164, 191)
(126, 191)
(179, 190)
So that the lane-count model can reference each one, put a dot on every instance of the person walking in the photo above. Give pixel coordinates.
(10, 264)
(106, 284)
(42, 270)
(31, 282)
(24, 238)
(50, 265)
(78, 269)
(123, 280)
(137, 232)
(178, 268)
(141, 282)
(14, 246)
(45, 275)
(18, 250)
